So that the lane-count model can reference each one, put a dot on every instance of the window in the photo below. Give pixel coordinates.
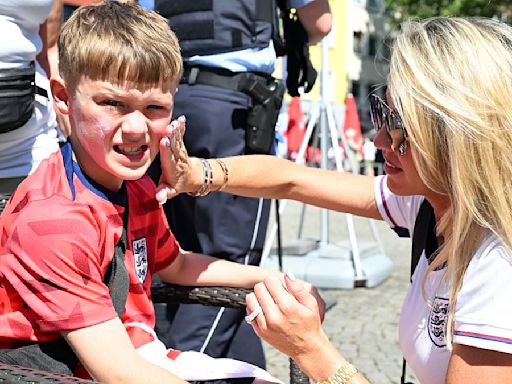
(386, 48)
(372, 45)
(355, 89)
(375, 5)
(358, 35)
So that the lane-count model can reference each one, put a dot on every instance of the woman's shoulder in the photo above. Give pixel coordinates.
(398, 211)
(492, 252)
(484, 305)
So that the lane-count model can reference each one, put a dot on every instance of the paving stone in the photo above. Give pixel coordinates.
(363, 323)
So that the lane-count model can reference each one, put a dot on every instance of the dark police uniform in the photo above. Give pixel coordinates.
(226, 45)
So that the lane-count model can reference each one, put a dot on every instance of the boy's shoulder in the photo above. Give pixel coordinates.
(54, 207)
(46, 181)
(52, 190)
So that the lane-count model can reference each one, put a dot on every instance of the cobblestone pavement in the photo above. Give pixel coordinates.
(363, 323)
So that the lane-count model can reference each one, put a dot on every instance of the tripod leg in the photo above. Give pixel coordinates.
(356, 258)
(301, 222)
(300, 159)
(334, 138)
(279, 245)
(301, 155)
(348, 153)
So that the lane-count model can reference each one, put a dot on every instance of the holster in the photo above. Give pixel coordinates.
(265, 92)
(267, 99)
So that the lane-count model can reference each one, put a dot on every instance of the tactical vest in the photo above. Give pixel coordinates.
(216, 26)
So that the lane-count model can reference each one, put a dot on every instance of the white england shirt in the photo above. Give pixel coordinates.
(483, 314)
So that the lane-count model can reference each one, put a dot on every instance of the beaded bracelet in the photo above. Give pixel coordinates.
(208, 179)
(225, 169)
(342, 376)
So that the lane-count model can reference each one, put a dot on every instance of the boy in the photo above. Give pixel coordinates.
(119, 68)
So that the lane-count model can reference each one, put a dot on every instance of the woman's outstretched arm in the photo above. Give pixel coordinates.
(262, 176)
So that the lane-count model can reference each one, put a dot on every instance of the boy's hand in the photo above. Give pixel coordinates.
(179, 172)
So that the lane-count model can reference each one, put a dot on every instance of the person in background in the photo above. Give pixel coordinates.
(71, 5)
(28, 57)
(223, 57)
(369, 156)
(445, 131)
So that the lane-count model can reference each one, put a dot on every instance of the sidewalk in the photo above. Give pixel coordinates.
(363, 324)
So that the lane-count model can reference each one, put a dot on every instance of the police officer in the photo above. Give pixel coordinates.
(228, 51)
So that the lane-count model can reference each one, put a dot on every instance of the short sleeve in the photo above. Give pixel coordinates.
(297, 3)
(167, 245)
(398, 211)
(484, 307)
(52, 263)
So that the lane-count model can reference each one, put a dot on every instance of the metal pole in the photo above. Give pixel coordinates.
(356, 256)
(324, 214)
(300, 159)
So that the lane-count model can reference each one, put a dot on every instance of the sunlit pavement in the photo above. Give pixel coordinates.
(363, 323)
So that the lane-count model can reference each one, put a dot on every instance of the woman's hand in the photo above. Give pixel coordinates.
(292, 316)
(180, 173)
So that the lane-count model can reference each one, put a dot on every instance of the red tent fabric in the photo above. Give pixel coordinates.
(352, 126)
(296, 127)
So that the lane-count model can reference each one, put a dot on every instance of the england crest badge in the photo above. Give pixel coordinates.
(437, 321)
(140, 257)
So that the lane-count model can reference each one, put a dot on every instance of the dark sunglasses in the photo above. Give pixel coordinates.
(382, 115)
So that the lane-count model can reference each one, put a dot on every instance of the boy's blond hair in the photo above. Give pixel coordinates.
(118, 42)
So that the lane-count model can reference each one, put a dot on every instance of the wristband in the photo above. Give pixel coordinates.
(208, 179)
(343, 375)
(225, 169)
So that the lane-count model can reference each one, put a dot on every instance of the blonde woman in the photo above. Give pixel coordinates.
(445, 130)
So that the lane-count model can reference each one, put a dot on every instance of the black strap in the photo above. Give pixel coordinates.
(223, 78)
(57, 356)
(41, 91)
(420, 234)
(116, 277)
(215, 77)
(419, 242)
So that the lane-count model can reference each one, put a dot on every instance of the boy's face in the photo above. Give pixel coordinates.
(116, 129)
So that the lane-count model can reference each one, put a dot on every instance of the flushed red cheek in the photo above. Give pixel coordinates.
(94, 135)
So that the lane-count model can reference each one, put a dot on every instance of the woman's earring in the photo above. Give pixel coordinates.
(402, 148)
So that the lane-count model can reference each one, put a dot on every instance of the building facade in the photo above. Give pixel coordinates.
(369, 52)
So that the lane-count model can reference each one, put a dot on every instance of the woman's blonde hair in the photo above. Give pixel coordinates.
(118, 42)
(451, 81)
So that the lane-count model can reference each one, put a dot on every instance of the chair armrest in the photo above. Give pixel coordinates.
(214, 296)
(21, 375)
(161, 293)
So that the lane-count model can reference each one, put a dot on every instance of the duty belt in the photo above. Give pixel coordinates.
(246, 82)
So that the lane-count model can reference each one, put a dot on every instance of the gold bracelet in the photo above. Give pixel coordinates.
(225, 169)
(342, 376)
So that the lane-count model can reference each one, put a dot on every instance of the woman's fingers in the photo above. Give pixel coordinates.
(252, 305)
(306, 294)
(285, 322)
(265, 300)
(279, 294)
(174, 162)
